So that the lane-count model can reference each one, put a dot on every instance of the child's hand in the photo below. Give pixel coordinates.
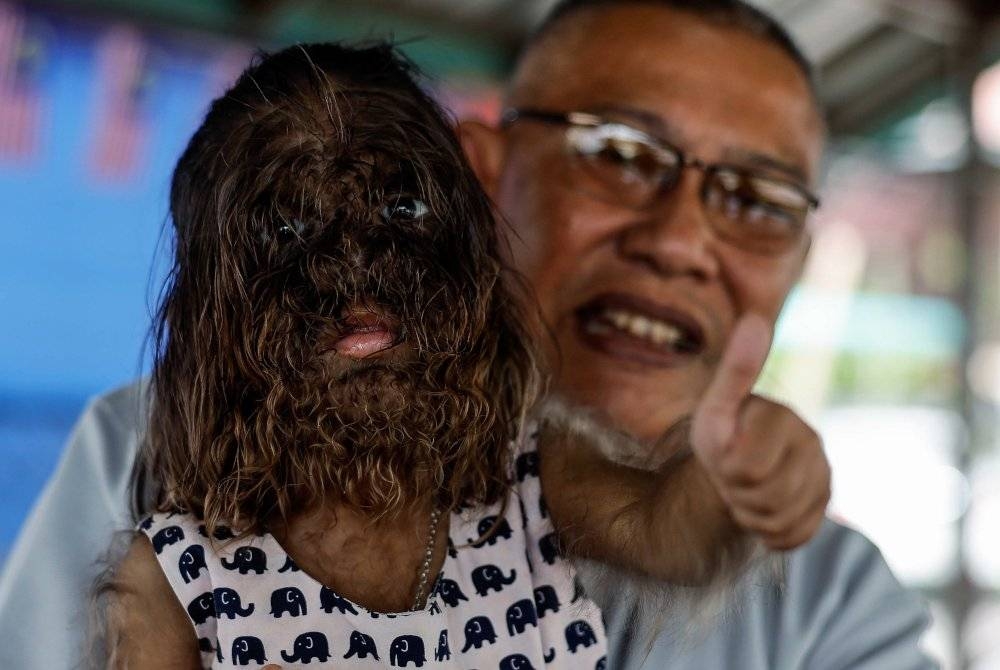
(766, 463)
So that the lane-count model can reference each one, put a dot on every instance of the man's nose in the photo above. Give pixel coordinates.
(673, 236)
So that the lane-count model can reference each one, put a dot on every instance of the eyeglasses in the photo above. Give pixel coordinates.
(618, 163)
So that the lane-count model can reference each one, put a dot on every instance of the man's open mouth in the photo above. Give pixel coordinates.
(365, 332)
(632, 327)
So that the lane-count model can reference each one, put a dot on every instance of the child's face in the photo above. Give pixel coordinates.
(349, 257)
(362, 250)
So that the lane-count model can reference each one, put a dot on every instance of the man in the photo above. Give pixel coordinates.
(643, 271)
(726, 87)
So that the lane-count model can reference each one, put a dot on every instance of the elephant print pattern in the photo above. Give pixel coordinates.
(504, 598)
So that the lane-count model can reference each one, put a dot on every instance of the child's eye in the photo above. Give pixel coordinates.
(284, 231)
(405, 208)
(289, 230)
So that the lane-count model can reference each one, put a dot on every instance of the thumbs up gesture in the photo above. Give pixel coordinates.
(765, 462)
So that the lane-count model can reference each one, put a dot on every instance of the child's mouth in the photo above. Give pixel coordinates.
(365, 333)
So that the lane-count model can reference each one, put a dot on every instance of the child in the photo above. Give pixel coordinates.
(342, 366)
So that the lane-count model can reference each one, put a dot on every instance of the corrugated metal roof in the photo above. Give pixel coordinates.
(872, 56)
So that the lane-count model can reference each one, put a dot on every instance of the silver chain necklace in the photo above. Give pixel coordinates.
(425, 567)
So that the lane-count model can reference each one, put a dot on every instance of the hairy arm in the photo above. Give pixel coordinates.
(667, 524)
(145, 625)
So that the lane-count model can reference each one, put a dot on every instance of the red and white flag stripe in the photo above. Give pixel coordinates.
(19, 100)
(120, 126)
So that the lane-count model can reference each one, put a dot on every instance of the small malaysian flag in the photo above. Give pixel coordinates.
(120, 124)
(19, 99)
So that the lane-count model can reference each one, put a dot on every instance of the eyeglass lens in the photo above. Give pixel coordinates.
(619, 164)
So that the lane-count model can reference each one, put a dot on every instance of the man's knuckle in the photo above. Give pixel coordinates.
(762, 505)
(752, 473)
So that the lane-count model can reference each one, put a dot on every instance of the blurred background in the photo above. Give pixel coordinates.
(890, 346)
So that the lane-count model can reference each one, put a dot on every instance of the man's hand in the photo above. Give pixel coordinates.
(767, 465)
(758, 472)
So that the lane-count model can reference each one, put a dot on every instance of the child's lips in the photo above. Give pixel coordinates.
(366, 333)
(359, 344)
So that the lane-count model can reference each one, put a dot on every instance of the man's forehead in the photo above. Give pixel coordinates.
(698, 84)
(627, 30)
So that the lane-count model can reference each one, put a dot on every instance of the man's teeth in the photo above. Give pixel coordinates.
(658, 332)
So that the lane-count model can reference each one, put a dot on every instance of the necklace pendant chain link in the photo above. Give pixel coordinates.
(425, 567)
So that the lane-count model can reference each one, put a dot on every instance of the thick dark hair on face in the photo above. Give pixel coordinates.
(728, 12)
(283, 212)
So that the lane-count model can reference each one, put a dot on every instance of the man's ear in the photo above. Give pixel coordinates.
(485, 148)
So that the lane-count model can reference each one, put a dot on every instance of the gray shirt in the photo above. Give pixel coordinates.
(840, 606)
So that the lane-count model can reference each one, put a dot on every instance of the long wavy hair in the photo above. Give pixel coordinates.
(283, 209)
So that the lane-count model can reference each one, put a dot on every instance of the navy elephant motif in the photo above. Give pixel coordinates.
(202, 608)
(192, 562)
(361, 646)
(167, 536)
(526, 465)
(546, 600)
(406, 649)
(329, 601)
(579, 633)
(204, 644)
(247, 559)
(442, 652)
(516, 662)
(308, 647)
(520, 615)
(227, 603)
(478, 631)
(450, 592)
(489, 577)
(248, 648)
(288, 600)
(495, 529)
(549, 548)
(289, 565)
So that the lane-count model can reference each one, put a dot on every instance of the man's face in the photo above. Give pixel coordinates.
(721, 95)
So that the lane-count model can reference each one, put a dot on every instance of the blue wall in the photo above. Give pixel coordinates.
(78, 232)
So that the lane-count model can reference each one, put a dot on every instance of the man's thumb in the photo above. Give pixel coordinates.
(716, 418)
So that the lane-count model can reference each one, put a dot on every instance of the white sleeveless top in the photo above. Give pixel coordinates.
(510, 604)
